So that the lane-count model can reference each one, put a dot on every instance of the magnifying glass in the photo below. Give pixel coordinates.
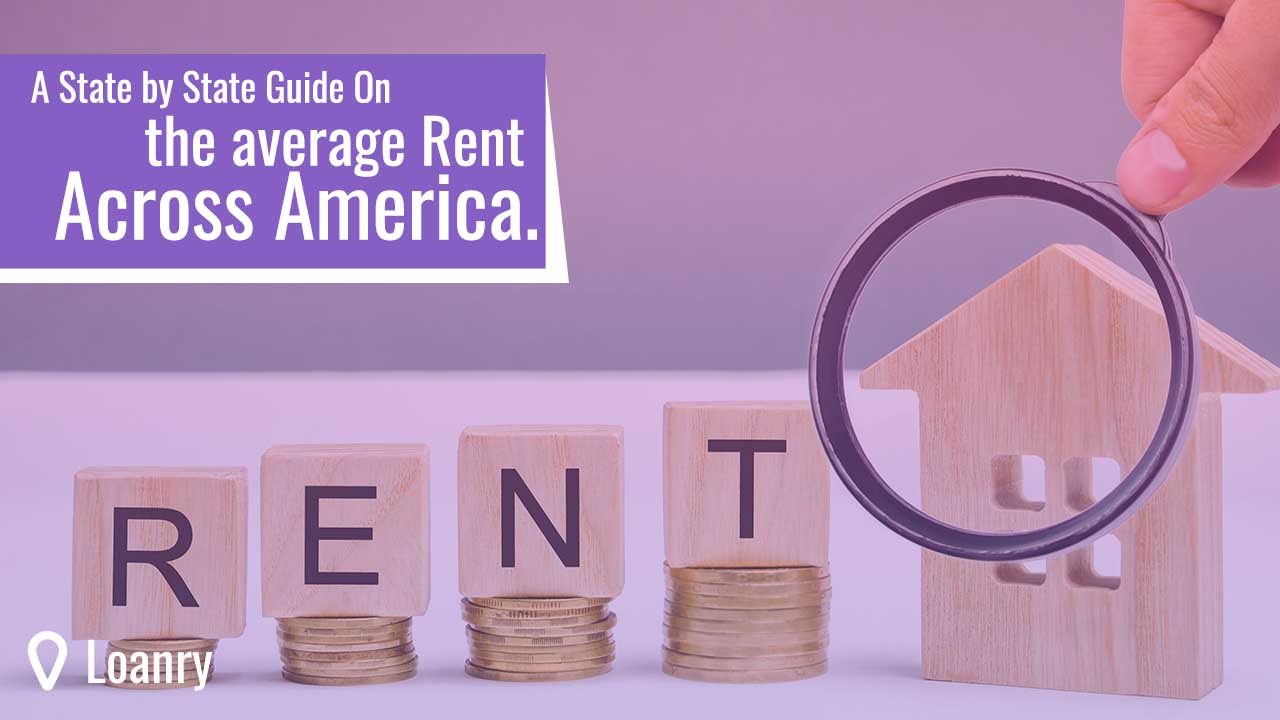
(1145, 238)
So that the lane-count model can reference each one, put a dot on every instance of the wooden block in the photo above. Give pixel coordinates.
(345, 530)
(746, 484)
(1067, 358)
(158, 552)
(540, 511)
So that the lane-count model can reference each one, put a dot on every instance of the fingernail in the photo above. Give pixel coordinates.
(1152, 171)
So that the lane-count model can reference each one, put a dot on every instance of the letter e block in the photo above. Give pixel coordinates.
(746, 484)
(159, 552)
(540, 511)
(345, 530)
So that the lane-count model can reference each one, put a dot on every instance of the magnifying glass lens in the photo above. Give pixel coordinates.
(1027, 369)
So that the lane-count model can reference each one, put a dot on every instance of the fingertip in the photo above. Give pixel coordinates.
(1153, 174)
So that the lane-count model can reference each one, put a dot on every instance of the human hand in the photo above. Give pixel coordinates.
(1203, 77)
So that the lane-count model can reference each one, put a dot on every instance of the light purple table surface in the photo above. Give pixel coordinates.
(50, 425)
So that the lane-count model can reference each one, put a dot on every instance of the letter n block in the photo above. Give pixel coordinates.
(345, 530)
(540, 511)
(746, 484)
(158, 552)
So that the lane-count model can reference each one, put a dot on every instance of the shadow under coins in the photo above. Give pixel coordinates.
(863, 667)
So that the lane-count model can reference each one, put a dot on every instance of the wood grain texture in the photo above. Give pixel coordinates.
(399, 517)
(1067, 358)
(540, 454)
(702, 510)
(214, 501)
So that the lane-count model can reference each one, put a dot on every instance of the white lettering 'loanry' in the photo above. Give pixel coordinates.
(145, 668)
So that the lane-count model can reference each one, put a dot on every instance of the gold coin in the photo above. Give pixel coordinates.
(342, 640)
(516, 617)
(321, 668)
(486, 674)
(560, 667)
(302, 664)
(749, 589)
(349, 644)
(536, 658)
(346, 655)
(744, 627)
(754, 640)
(594, 645)
(739, 615)
(544, 622)
(767, 662)
(748, 575)
(348, 632)
(316, 680)
(124, 647)
(749, 603)
(744, 651)
(512, 641)
(695, 612)
(607, 623)
(538, 604)
(338, 670)
(345, 632)
(175, 645)
(337, 623)
(744, 676)
(469, 608)
(290, 643)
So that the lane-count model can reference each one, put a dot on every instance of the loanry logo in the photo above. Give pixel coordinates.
(161, 667)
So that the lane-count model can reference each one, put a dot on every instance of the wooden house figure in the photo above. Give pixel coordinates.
(1066, 358)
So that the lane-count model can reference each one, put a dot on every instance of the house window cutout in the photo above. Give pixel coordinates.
(1018, 481)
(1031, 572)
(1096, 566)
(1089, 479)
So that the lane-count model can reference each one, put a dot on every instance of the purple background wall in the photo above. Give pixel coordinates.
(716, 159)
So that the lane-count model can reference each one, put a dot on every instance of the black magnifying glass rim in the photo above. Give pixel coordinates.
(827, 374)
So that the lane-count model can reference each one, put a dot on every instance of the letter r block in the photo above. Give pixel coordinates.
(158, 552)
(345, 530)
(540, 511)
(746, 484)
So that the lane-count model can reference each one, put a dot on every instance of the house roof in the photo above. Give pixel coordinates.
(1227, 365)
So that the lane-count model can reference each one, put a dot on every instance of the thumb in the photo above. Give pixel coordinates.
(1214, 119)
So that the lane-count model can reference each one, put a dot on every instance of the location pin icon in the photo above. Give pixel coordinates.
(49, 679)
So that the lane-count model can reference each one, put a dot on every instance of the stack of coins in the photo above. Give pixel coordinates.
(347, 650)
(740, 625)
(538, 639)
(162, 674)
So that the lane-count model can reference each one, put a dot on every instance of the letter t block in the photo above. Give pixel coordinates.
(159, 552)
(746, 484)
(345, 531)
(540, 511)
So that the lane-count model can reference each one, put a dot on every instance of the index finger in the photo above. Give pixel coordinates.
(1162, 40)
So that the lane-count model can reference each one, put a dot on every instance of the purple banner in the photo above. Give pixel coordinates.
(274, 161)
